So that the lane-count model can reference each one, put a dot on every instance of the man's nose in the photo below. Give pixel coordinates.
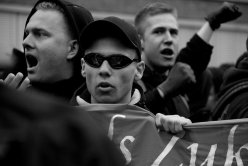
(27, 43)
(168, 40)
(105, 69)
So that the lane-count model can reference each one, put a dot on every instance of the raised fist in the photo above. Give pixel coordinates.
(227, 12)
(180, 76)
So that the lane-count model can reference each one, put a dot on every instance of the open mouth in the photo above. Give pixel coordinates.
(167, 51)
(31, 61)
(104, 85)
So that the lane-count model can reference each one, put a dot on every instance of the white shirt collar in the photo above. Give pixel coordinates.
(135, 99)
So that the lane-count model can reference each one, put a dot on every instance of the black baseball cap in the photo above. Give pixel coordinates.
(111, 26)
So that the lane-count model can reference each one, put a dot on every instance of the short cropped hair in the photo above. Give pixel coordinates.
(152, 9)
(49, 5)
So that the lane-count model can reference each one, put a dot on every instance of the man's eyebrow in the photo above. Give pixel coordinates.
(34, 29)
(38, 29)
(166, 28)
(159, 28)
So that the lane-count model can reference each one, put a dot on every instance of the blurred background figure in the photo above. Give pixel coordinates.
(206, 96)
(38, 130)
(233, 96)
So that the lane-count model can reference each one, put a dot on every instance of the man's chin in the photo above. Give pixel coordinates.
(34, 78)
(163, 68)
(105, 100)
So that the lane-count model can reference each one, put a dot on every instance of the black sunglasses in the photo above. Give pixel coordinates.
(116, 61)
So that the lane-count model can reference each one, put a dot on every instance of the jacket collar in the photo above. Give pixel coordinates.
(138, 97)
(134, 100)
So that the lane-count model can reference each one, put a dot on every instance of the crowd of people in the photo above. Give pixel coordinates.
(73, 60)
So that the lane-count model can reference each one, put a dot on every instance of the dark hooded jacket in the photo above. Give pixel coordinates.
(233, 97)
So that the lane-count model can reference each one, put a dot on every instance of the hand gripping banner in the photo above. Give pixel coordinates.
(133, 129)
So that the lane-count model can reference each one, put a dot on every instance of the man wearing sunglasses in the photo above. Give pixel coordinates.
(111, 62)
(111, 65)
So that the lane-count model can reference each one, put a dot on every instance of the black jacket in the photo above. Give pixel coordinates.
(63, 89)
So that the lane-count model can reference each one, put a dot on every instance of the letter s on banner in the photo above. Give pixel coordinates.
(124, 150)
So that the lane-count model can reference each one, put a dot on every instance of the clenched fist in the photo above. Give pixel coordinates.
(227, 12)
(179, 77)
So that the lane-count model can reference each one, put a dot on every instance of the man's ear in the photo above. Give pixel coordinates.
(139, 70)
(142, 42)
(83, 68)
(73, 49)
